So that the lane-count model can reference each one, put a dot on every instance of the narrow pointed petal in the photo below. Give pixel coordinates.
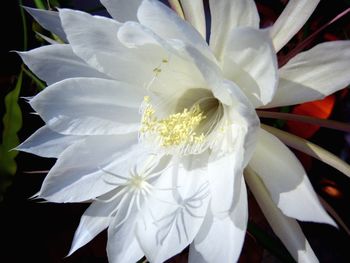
(94, 220)
(89, 106)
(95, 40)
(78, 175)
(311, 149)
(293, 17)
(194, 13)
(49, 20)
(250, 61)
(122, 10)
(285, 228)
(314, 74)
(47, 143)
(221, 240)
(57, 62)
(227, 15)
(286, 180)
(168, 25)
(175, 216)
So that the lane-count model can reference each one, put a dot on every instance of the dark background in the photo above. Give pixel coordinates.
(42, 232)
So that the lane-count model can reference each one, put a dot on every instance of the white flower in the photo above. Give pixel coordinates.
(156, 127)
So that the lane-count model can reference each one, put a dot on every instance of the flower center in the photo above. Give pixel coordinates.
(177, 129)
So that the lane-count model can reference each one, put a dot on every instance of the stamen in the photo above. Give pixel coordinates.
(176, 130)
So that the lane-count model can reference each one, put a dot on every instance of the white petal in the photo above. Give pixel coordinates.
(293, 17)
(225, 175)
(167, 24)
(49, 20)
(284, 227)
(250, 61)
(194, 13)
(95, 40)
(286, 180)
(221, 240)
(227, 15)
(94, 220)
(79, 174)
(57, 62)
(245, 122)
(314, 74)
(85, 106)
(177, 71)
(47, 143)
(122, 10)
(174, 217)
(122, 245)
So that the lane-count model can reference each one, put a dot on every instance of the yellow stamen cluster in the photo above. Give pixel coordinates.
(177, 129)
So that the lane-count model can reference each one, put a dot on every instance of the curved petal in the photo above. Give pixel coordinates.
(88, 106)
(174, 217)
(167, 24)
(238, 107)
(250, 61)
(49, 20)
(122, 10)
(174, 72)
(94, 220)
(314, 74)
(284, 227)
(293, 17)
(57, 62)
(47, 143)
(78, 174)
(194, 13)
(95, 40)
(286, 180)
(227, 15)
(221, 240)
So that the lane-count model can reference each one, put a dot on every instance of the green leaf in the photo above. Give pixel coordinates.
(12, 122)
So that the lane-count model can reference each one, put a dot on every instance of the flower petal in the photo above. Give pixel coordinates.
(225, 174)
(49, 20)
(94, 220)
(95, 40)
(47, 143)
(167, 24)
(194, 13)
(293, 17)
(314, 74)
(221, 240)
(89, 106)
(227, 15)
(284, 227)
(174, 217)
(122, 245)
(78, 174)
(57, 62)
(122, 10)
(286, 180)
(168, 57)
(250, 61)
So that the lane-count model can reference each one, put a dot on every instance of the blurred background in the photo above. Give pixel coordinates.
(42, 232)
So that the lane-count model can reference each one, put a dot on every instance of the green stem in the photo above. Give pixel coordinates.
(39, 4)
(24, 25)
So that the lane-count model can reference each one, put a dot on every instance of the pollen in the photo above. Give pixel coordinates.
(177, 129)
